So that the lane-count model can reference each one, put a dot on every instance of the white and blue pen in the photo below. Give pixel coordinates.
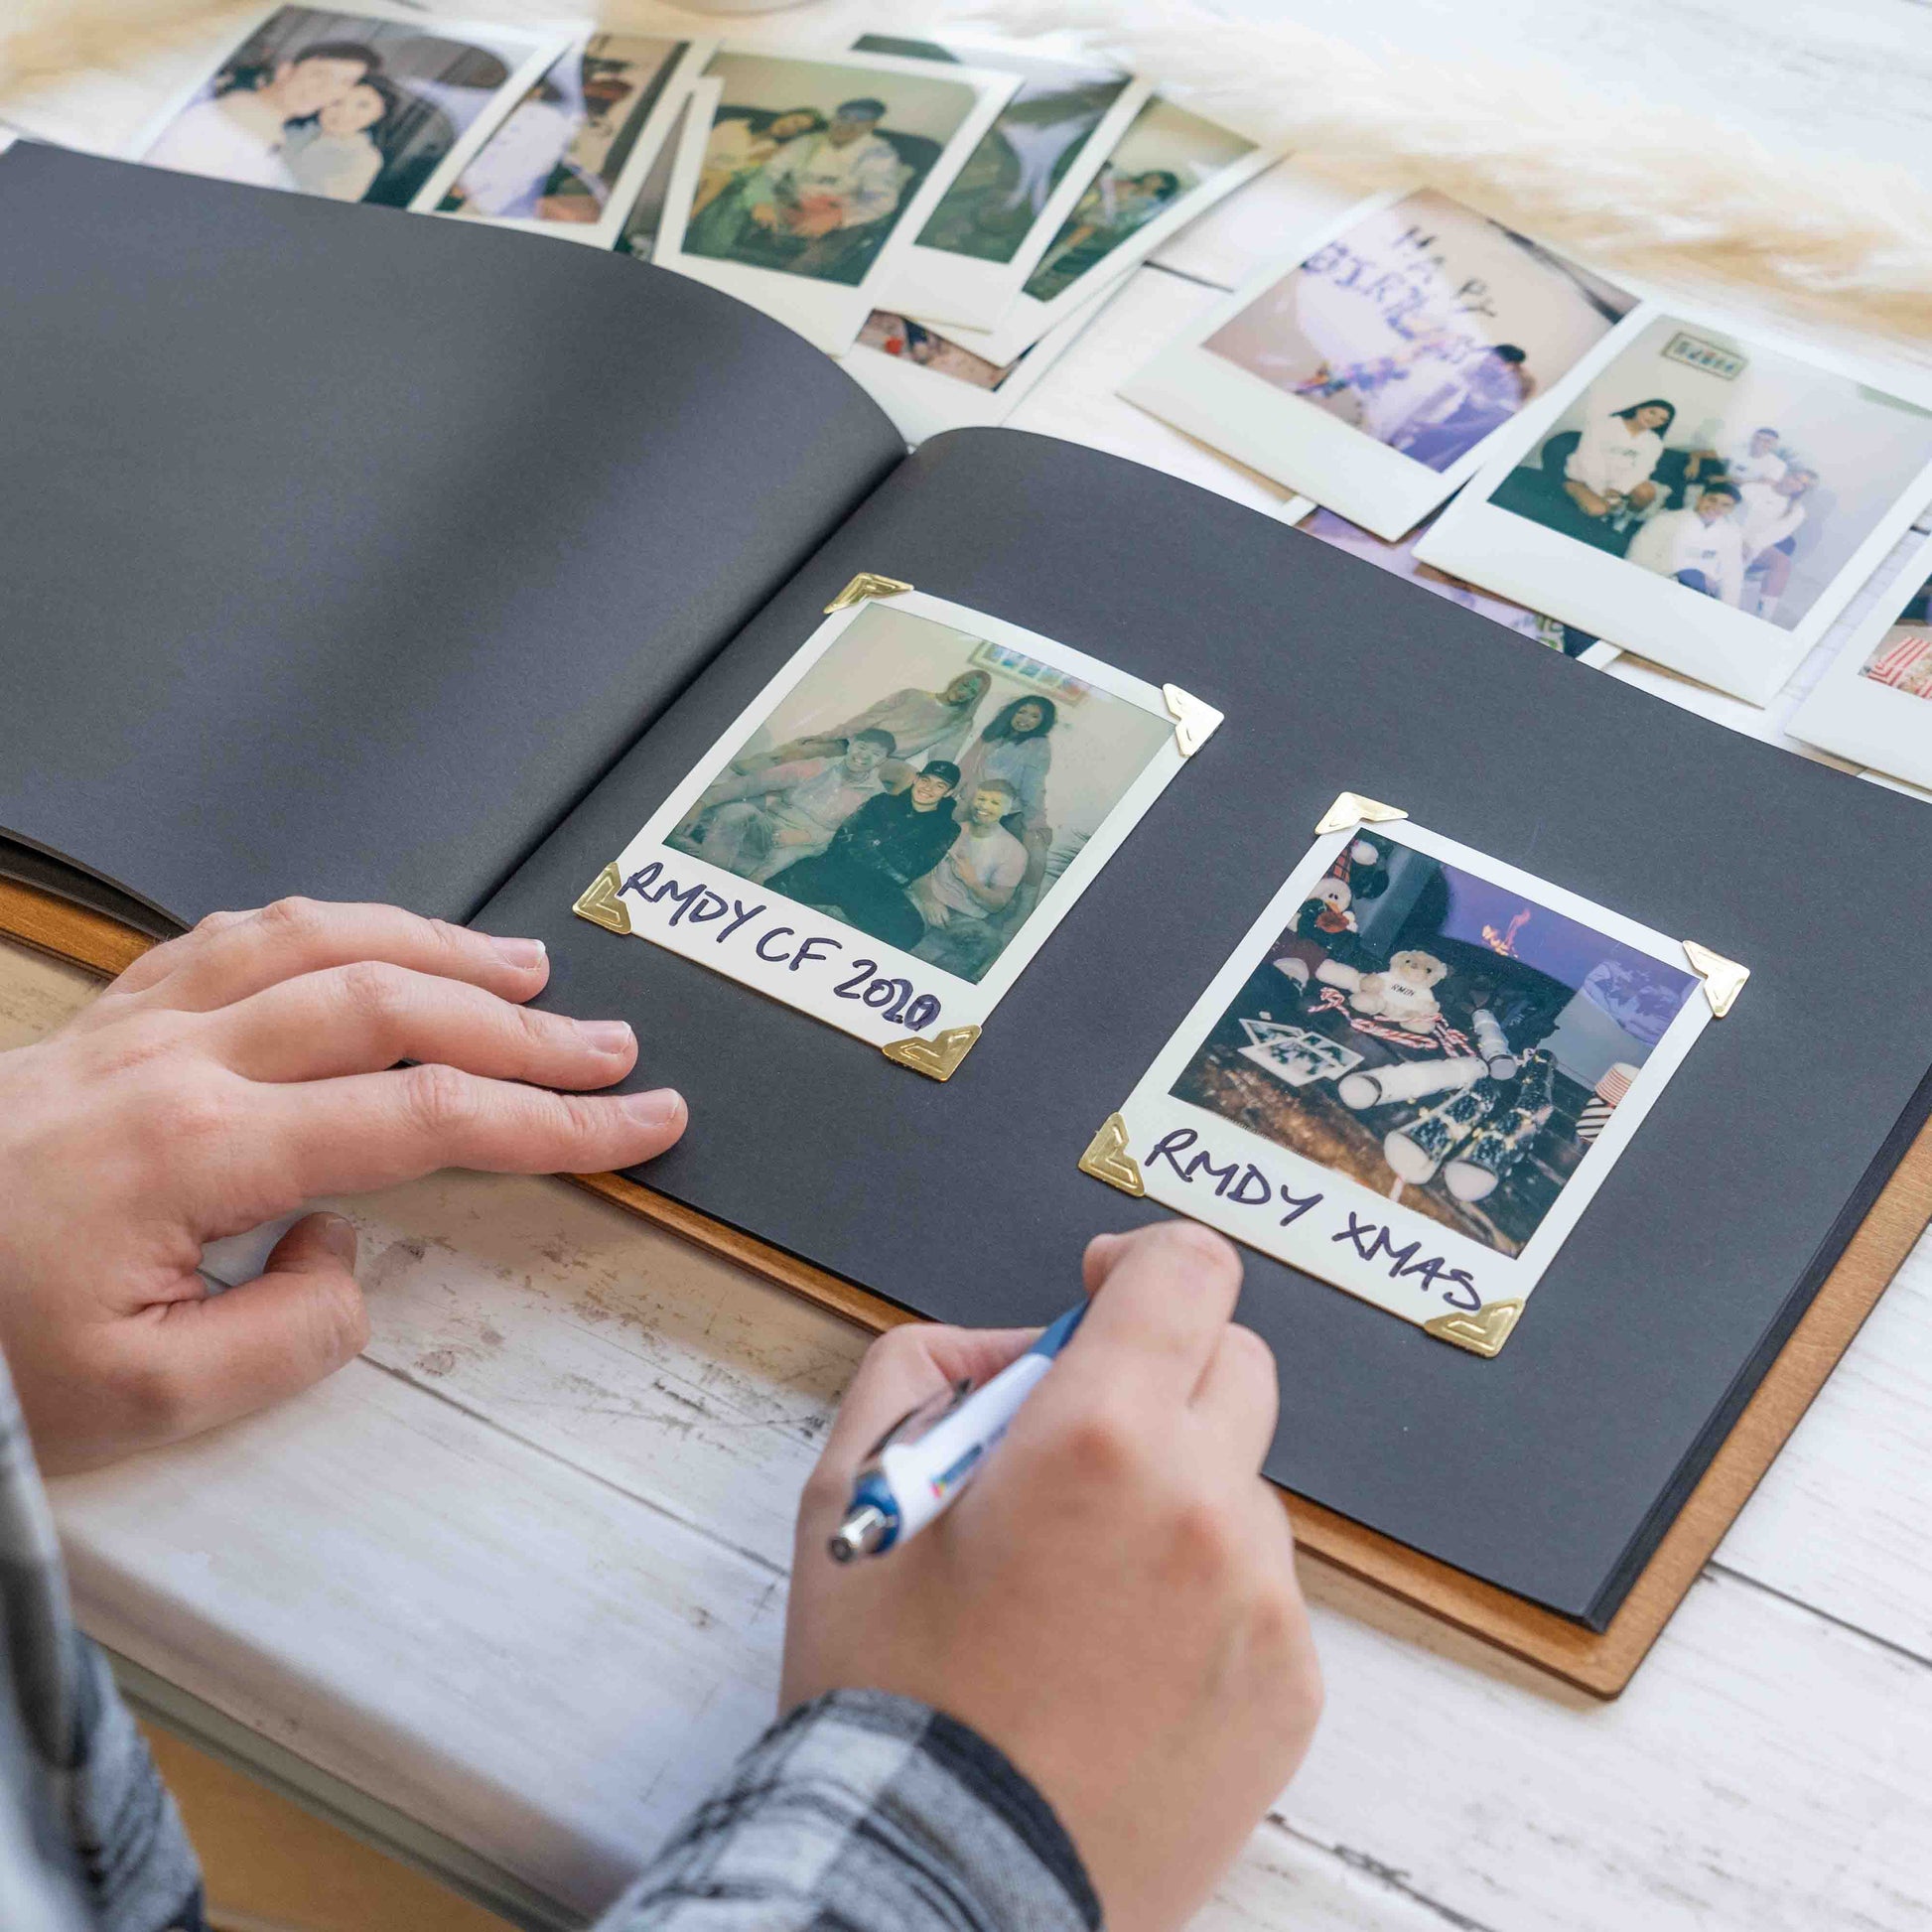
(924, 1460)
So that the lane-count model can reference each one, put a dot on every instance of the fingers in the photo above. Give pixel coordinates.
(1239, 1395)
(367, 1015)
(230, 955)
(1162, 1296)
(373, 1130)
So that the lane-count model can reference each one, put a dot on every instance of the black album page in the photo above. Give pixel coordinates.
(344, 549)
(1553, 1467)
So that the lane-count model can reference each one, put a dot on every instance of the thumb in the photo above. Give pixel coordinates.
(300, 1319)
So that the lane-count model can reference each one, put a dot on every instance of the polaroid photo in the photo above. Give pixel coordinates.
(1400, 560)
(896, 823)
(371, 103)
(1000, 213)
(1169, 167)
(637, 230)
(571, 157)
(926, 383)
(1705, 499)
(814, 174)
(1414, 1072)
(1874, 704)
(1371, 365)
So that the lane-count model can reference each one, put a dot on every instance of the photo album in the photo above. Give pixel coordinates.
(997, 841)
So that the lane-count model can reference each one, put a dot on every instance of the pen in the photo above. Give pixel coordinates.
(926, 1458)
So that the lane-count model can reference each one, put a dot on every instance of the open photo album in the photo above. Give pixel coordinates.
(964, 829)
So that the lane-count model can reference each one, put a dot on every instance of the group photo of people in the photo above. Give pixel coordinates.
(1743, 475)
(558, 155)
(1437, 1038)
(809, 164)
(1426, 326)
(925, 786)
(354, 106)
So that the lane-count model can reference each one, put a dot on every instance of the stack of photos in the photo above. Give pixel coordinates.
(1002, 211)
(897, 822)
(1703, 499)
(1371, 366)
(1415, 1071)
(1400, 559)
(371, 104)
(572, 157)
(1875, 703)
(812, 177)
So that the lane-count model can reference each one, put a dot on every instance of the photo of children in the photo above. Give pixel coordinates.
(1743, 476)
(809, 164)
(355, 106)
(1902, 658)
(1425, 326)
(1443, 1039)
(559, 154)
(924, 785)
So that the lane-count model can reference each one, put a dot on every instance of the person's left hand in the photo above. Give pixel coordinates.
(228, 1077)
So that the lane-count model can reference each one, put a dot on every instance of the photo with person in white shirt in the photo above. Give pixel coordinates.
(923, 786)
(1741, 473)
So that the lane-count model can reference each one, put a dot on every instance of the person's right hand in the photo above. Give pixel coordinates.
(765, 215)
(1113, 1603)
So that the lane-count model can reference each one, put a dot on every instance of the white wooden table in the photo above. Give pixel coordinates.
(507, 1592)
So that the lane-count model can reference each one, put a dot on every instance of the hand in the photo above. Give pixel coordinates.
(228, 1077)
(765, 215)
(1113, 1603)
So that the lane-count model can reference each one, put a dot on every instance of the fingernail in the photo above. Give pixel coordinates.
(338, 1235)
(521, 953)
(661, 1107)
(611, 1037)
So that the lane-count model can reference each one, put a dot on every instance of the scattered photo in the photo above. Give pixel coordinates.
(1170, 166)
(1873, 704)
(572, 155)
(1415, 1071)
(1004, 208)
(895, 826)
(1704, 499)
(813, 175)
(1400, 559)
(1371, 368)
(365, 105)
(637, 232)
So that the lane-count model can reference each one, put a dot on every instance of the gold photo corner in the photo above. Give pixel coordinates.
(1481, 1332)
(1351, 809)
(1723, 979)
(866, 585)
(600, 901)
(1108, 1160)
(937, 1058)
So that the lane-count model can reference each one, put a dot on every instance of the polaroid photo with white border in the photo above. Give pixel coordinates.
(572, 157)
(804, 190)
(1875, 703)
(1170, 166)
(366, 104)
(1001, 211)
(1708, 499)
(1371, 363)
(1414, 1072)
(896, 825)
(638, 230)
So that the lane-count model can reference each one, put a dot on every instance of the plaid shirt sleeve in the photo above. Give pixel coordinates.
(866, 1813)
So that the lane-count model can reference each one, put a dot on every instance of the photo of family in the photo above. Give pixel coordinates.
(926, 785)
(359, 106)
(810, 166)
(1740, 474)
(1425, 326)
(559, 155)
(1445, 1039)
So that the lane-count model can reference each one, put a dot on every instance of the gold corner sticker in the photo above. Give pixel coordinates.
(1108, 1160)
(1723, 979)
(863, 585)
(601, 904)
(1353, 809)
(937, 1058)
(1482, 1332)
(1195, 723)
